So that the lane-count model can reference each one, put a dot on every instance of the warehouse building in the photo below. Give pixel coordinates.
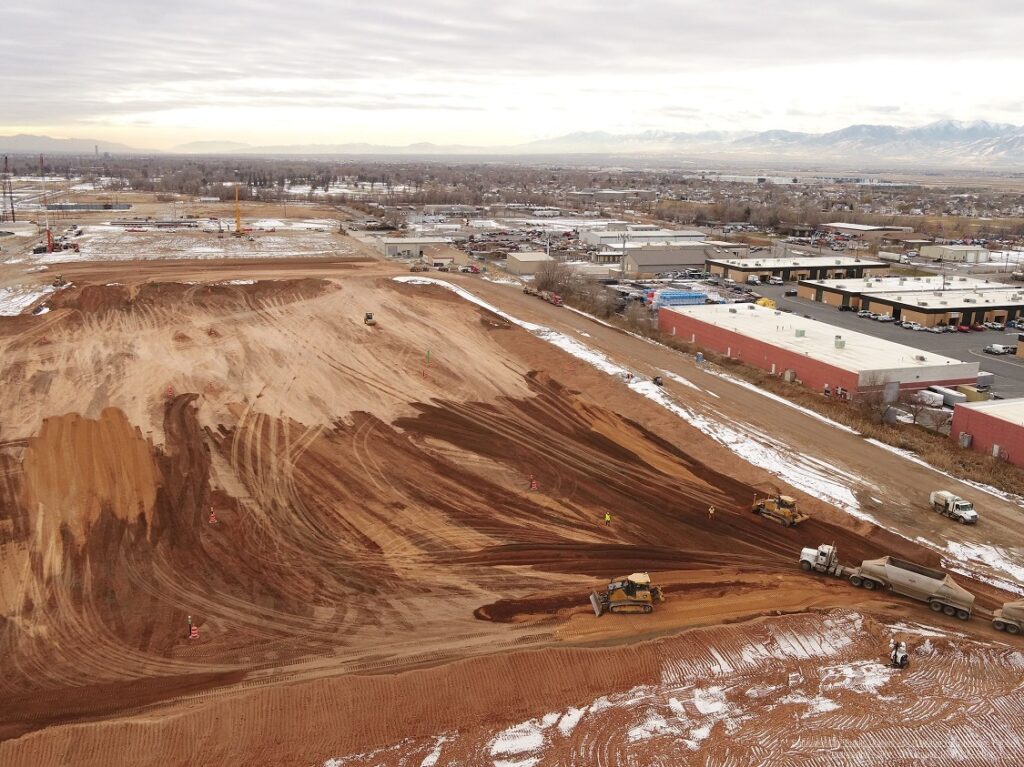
(966, 254)
(866, 231)
(849, 292)
(527, 262)
(799, 268)
(640, 235)
(410, 247)
(811, 352)
(949, 307)
(995, 428)
(654, 258)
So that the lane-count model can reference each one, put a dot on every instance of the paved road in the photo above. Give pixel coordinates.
(1008, 370)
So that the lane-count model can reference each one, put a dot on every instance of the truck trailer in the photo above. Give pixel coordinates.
(935, 587)
(1009, 617)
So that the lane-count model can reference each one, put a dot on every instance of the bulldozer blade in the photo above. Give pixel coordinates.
(595, 602)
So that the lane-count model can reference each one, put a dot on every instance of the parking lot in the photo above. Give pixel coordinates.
(1008, 369)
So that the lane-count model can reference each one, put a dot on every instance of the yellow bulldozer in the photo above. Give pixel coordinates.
(779, 508)
(628, 594)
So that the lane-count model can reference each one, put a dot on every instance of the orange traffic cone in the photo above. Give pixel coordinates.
(194, 632)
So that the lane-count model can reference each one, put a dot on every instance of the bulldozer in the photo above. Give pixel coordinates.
(628, 594)
(368, 319)
(779, 508)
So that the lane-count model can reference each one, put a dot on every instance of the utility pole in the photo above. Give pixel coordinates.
(8, 192)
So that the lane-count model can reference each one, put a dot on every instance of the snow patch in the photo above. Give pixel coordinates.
(15, 300)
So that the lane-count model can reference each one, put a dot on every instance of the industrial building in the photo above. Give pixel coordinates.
(849, 292)
(640, 235)
(811, 352)
(653, 258)
(410, 247)
(799, 268)
(995, 427)
(950, 307)
(967, 254)
(527, 262)
(866, 231)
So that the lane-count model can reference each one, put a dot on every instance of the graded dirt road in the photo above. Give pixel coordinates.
(381, 586)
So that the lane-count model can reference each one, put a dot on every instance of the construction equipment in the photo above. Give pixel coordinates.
(779, 508)
(1009, 617)
(953, 506)
(898, 657)
(530, 290)
(368, 319)
(939, 590)
(628, 594)
(419, 266)
(59, 281)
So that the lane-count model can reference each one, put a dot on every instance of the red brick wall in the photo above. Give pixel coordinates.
(987, 430)
(814, 374)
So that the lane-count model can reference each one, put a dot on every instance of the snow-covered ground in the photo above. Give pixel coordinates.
(15, 300)
(814, 476)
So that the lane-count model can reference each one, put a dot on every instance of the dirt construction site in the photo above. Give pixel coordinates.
(238, 525)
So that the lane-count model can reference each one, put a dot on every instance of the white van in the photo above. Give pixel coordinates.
(753, 279)
(775, 281)
(728, 281)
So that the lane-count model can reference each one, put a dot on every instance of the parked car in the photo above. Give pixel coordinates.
(995, 326)
(978, 326)
(963, 328)
(936, 329)
(790, 292)
(996, 349)
(865, 313)
(845, 308)
(886, 318)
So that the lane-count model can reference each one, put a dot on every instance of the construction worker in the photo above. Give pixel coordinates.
(607, 519)
(711, 512)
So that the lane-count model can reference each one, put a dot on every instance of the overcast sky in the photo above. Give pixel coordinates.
(156, 74)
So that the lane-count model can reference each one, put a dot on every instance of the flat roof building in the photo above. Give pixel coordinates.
(614, 238)
(811, 352)
(995, 428)
(798, 268)
(527, 262)
(850, 292)
(949, 307)
(656, 257)
(410, 247)
(967, 254)
(863, 229)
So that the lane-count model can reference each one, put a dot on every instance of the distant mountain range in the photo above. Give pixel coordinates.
(943, 144)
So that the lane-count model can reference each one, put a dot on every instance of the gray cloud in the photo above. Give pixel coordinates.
(70, 62)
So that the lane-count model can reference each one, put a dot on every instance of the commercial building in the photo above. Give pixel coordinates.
(850, 292)
(443, 255)
(640, 235)
(995, 428)
(654, 258)
(867, 231)
(967, 254)
(527, 262)
(811, 352)
(410, 247)
(800, 268)
(949, 307)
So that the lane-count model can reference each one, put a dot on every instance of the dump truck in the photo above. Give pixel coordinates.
(953, 506)
(1009, 617)
(530, 290)
(939, 590)
(779, 508)
(628, 594)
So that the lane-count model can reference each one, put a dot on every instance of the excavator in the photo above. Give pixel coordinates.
(779, 508)
(628, 594)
